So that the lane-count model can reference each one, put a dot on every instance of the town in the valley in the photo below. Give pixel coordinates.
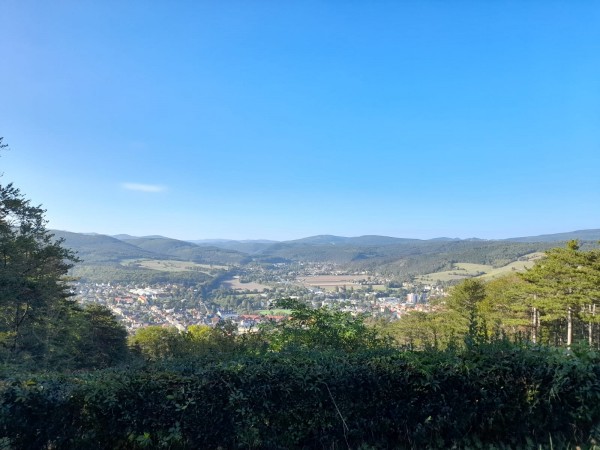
(248, 297)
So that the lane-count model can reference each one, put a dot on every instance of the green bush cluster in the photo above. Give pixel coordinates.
(496, 395)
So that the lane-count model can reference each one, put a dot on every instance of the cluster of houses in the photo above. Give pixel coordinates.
(137, 307)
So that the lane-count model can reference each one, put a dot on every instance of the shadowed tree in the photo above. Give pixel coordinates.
(33, 287)
(40, 324)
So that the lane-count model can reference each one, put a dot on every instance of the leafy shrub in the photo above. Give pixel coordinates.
(495, 394)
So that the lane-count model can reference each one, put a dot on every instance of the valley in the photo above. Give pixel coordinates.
(189, 283)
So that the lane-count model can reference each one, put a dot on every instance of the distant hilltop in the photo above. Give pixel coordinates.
(369, 240)
(582, 235)
(93, 247)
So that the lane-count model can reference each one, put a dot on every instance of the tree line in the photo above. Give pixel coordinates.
(553, 303)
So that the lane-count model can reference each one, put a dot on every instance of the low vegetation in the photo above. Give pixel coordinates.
(489, 395)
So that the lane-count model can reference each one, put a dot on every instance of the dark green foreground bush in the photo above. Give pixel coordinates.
(492, 396)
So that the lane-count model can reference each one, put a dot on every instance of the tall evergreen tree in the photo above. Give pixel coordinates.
(562, 286)
(464, 302)
(505, 307)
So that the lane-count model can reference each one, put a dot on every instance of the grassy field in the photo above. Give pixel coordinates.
(331, 282)
(519, 266)
(348, 287)
(461, 271)
(166, 265)
(236, 284)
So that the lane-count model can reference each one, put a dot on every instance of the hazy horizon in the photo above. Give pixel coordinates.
(257, 120)
(193, 239)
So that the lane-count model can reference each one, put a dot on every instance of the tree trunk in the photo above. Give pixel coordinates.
(592, 310)
(534, 323)
(569, 327)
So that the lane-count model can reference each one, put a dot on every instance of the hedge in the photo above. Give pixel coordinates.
(491, 396)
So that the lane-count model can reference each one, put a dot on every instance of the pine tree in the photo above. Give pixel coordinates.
(561, 286)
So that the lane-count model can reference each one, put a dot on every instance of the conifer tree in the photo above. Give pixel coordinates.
(561, 286)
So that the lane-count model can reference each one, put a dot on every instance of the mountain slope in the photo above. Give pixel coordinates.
(406, 257)
(92, 248)
(582, 235)
(187, 251)
(249, 247)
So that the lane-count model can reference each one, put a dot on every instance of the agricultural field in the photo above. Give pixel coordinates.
(235, 284)
(325, 281)
(461, 271)
(523, 263)
(372, 287)
(166, 265)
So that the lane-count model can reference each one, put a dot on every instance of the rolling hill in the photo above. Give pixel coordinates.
(582, 235)
(188, 251)
(97, 248)
(389, 255)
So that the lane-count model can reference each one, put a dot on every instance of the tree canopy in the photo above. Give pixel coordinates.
(562, 287)
(40, 323)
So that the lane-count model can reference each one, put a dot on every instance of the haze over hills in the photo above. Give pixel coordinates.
(582, 235)
(100, 248)
(376, 240)
(358, 251)
(368, 240)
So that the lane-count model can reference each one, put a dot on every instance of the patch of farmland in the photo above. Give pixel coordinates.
(332, 281)
(236, 284)
(461, 271)
(521, 265)
(167, 265)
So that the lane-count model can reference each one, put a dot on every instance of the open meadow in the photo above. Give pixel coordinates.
(461, 271)
(333, 280)
(167, 265)
(235, 284)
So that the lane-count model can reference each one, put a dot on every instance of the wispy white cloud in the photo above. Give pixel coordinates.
(143, 187)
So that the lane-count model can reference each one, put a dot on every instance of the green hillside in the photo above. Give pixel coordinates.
(187, 251)
(99, 248)
(395, 257)
(581, 235)
(117, 273)
(162, 246)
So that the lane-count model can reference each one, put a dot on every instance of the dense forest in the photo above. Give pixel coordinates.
(508, 363)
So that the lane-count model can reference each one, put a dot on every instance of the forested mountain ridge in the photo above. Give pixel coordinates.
(581, 235)
(93, 248)
(188, 251)
(354, 251)
(400, 258)
(101, 248)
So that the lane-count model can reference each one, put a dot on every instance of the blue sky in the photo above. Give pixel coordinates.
(280, 120)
